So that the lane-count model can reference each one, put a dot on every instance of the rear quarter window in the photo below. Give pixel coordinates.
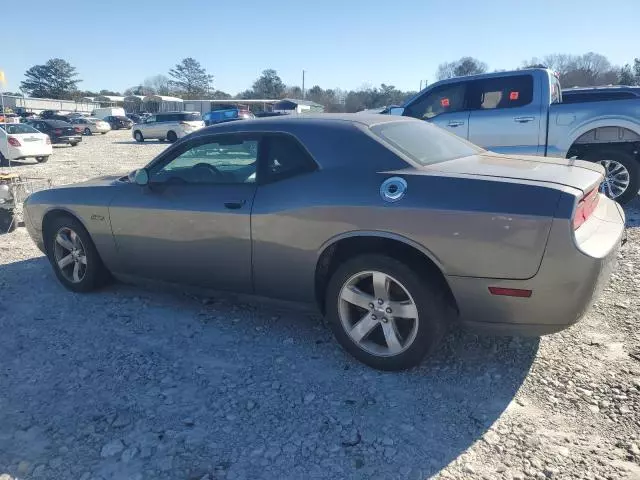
(423, 142)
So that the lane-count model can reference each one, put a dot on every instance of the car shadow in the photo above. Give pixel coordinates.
(219, 377)
(18, 163)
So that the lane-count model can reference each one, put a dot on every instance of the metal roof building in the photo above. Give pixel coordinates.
(289, 105)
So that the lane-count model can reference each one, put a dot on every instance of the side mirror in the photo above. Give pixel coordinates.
(141, 177)
(396, 111)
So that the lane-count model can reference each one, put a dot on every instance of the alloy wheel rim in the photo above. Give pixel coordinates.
(616, 180)
(70, 255)
(378, 313)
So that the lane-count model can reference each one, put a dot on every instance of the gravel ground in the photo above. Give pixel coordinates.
(137, 383)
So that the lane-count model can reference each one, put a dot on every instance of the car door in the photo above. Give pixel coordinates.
(150, 129)
(445, 106)
(279, 226)
(505, 116)
(192, 223)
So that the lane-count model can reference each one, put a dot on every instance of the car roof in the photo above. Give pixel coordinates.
(305, 122)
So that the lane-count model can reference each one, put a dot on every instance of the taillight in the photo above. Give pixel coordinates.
(57, 131)
(13, 141)
(586, 206)
(77, 129)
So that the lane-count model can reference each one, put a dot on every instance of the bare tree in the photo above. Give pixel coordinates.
(460, 68)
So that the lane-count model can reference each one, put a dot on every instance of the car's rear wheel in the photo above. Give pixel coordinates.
(138, 136)
(171, 136)
(384, 313)
(87, 131)
(74, 144)
(622, 173)
(42, 159)
(73, 255)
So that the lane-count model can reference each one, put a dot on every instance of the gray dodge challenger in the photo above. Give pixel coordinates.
(394, 228)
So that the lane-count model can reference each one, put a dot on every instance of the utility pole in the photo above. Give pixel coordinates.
(303, 72)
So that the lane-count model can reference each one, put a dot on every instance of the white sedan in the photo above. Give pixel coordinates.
(19, 141)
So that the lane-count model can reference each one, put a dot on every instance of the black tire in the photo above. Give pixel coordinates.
(628, 160)
(95, 274)
(429, 298)
(3, 161)
(104, 133)
(171, 136)
(87, 131)
(138, 136)
(74, 144)
(42, 159)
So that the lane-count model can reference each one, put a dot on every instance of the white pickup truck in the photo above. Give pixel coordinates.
(521, 112)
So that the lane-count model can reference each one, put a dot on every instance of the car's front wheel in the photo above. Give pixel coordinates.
(171, 136)
(138, 136)
(74, 144)
(384, 313)
(42, 159)
(73, 255)
(87, 131)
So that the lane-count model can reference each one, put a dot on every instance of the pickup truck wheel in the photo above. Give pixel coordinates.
(622, 179)
(384, 313)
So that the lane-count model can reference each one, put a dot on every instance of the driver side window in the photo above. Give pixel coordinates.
(226, 160)
(445, 99)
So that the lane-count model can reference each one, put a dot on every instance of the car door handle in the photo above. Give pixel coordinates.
(523, 119)
(455, 123)
(234, 205)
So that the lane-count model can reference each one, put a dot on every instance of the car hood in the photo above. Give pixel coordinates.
(571, 173)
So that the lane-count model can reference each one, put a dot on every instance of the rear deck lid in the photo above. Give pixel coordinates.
(571, 173)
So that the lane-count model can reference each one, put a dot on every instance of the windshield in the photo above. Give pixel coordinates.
(423, 142)
(17, 128)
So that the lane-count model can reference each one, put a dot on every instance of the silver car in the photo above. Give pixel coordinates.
(394, 228)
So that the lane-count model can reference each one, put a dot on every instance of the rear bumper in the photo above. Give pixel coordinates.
(18, 153)
(568, 282)
(67, 139)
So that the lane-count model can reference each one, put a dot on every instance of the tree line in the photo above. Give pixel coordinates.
(58, 79)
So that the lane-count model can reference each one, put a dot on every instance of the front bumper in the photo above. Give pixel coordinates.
(34, 233)
(570, 279)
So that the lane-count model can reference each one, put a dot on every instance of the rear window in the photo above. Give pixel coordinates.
(18, 128)
(423, 142)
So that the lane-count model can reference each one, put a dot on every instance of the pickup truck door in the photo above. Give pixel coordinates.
(444, 106)
(506, 117)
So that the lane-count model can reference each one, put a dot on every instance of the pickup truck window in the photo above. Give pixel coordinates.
(445, 99)
(502, 92)
(555, 89)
